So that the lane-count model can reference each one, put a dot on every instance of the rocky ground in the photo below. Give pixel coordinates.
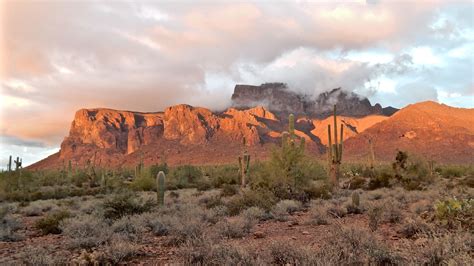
(388, 226)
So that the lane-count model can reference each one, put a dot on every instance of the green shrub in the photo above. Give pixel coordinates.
(144, 183)
(381, 179)
(50, 223)
(229, 190)
(125, 204)
(227, 174)
(251, 198)
(453, 212)
(185, 176)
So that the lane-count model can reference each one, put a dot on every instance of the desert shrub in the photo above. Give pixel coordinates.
(283, 253)
(229, 190)
(211, 201)
(235, 228)
(336, 210)
(227, 174)
(50, 223)
(205, 252)
(185, 223)
(119, 250)
(153, 222)
(449, 171)
(250, 198)
(318, 190)
(156, 168)
(412, 171)
(450, 249)
(351, 246)
(453, 212)
(9, 225)
(37, 208)
(318, 213)
(129, 227)
(375, 217)
(33, 255)
(357, 182)
(413, 227)
(144, 183)
(185, 176)
(85, 231)
(125, 204)
(285, 207)
(392, 212)
(381, 179)
(255, 213)
(213, 215)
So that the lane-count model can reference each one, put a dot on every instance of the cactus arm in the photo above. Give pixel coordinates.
(340, 145)
(291, 125)
(329, 143)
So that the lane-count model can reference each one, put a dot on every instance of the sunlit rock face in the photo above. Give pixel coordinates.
(186, 134)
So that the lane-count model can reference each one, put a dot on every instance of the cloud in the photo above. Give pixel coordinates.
(11, 140)
(57, 57)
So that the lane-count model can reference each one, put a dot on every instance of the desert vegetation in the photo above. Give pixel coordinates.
(291, 209)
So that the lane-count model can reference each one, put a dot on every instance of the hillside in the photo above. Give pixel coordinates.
(436, 131)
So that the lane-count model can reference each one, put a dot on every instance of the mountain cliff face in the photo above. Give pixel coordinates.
(277, 97)
(184, 134)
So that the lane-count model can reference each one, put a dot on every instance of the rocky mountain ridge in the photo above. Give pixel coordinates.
(278, 98)
(183, 134)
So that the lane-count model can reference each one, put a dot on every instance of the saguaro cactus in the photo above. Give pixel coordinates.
(9, 166)
(69, 169)
(289, 138)
(160, 188)
(371, 155)
(139, 168)
(17, 163)
(244, 166)
(334, 152)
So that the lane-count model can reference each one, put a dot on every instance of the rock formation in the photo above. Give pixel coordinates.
(185, 134)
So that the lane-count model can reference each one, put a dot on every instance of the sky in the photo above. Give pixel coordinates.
(59, 56)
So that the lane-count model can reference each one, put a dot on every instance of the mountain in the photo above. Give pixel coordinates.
(435, 131)
(183, 134)
(278, 98)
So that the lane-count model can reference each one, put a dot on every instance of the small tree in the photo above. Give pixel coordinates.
(289, 158)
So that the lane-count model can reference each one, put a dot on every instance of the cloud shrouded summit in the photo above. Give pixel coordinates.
(58, 57)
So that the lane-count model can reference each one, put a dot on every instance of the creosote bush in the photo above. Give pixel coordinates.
(125, 204)
(85, 231)
(50, 223)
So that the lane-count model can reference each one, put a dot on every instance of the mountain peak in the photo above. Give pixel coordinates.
(279, 98)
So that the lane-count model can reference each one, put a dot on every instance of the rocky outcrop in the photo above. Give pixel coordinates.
(277, 97)
(108, 129)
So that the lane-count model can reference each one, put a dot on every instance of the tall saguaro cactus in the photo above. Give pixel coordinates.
(9, 166)
(371, 155)
(244, 166)
(334, 152)
(160, 188)
(139, 168)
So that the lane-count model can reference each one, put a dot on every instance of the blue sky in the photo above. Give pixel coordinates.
(61, 56)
